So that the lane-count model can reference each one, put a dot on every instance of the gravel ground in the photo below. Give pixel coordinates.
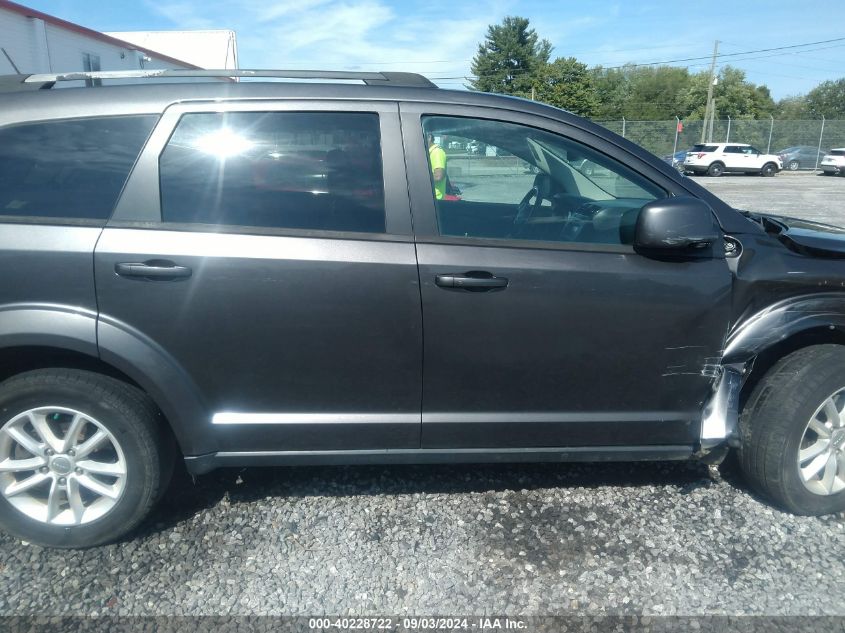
(522, 539)
(795, 194)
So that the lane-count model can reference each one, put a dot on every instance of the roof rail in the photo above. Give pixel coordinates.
(370, 78)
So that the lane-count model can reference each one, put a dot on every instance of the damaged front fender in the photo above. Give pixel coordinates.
(764, 329)
(783, 320)
(720, 417)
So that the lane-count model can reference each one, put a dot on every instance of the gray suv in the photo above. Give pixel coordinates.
(263, 273)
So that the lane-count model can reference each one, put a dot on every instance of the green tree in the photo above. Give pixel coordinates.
(735, 96)
(653, 93)
(792, 108)
(568, 84)
(612, 91)
(827, 99)
(510, 57)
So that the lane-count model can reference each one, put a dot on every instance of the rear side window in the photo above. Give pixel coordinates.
(294, 170)
(68, 169)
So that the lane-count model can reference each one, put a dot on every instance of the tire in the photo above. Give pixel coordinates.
(716, 169)
(769, 170)
(136, 446)
(793, 165)
(777, 422)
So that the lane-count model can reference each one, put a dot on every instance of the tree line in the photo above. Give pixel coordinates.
(514, 60)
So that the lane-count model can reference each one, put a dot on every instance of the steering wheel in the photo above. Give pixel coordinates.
(526, 209)
(576, 220)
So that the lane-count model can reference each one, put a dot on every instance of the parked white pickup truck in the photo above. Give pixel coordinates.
(714, 159)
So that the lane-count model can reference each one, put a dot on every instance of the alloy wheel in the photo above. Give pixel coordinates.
(821, 455)
(60, 467)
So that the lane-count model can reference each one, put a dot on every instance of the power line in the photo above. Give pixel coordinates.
(722, 55)
(719, 56)
(633, 65)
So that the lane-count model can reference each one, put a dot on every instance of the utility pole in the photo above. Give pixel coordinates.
(708, 108)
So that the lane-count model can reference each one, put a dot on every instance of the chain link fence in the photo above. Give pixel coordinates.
(768, 135)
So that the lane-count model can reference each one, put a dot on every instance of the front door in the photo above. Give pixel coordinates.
(543, 326)
(278, 272)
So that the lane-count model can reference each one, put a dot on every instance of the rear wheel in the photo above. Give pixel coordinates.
(792, 432)
(82, 457)
(769, 170)
(716, 169)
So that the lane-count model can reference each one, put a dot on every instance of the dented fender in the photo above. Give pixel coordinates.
(760, 331)
(781, 321)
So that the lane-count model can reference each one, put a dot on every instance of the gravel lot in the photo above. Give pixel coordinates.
(519, 540)
(526, 539)
(795, 194)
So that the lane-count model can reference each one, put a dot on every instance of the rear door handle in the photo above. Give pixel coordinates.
(476, 280)
(158, 270)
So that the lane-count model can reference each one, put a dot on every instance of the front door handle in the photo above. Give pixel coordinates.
(475, 280)
(157, 270)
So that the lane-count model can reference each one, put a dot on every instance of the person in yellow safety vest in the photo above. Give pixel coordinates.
(437, 159)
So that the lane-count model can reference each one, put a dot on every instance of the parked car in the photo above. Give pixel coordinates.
(676, 160)
(590, 168)
(170, 292)
(714, 159)
(834, 162)
(800, 157)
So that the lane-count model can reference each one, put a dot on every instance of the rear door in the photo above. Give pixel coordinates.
(735, 159)
(59, 181)
(543, 326)
(266, 248)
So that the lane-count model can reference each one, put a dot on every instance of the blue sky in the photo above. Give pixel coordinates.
(440, 37)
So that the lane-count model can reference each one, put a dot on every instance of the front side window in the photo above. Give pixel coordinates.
(492, 179)
(68, 169)
(290, 170)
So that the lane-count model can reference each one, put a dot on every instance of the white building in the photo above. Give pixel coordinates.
(36, 42)
(206, 49)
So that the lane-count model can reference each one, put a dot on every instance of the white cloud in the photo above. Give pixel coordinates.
(435, 38)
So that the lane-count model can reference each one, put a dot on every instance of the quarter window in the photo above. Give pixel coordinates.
(68, 169)
(315, 171)
(499, 180)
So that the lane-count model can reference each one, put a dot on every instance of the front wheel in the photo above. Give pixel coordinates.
(769, 170)
(792, 432)
(793, 165)
(82, 457)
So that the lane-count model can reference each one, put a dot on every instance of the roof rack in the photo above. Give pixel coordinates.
(406, 80)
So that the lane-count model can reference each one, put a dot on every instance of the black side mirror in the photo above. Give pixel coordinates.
(681, 225)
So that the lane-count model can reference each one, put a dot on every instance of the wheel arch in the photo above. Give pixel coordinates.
(762, 339)
(768, 357)
(44, 336)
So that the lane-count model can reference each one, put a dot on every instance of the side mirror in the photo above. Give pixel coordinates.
(682, 225)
